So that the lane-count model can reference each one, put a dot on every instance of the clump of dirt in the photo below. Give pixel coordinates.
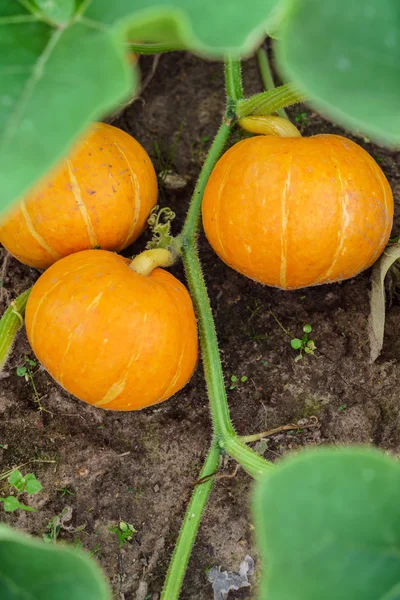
(141, 467)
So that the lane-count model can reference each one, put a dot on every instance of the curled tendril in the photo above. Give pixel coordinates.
(160, 224)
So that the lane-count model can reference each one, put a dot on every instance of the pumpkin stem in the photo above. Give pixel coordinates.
(149, 260)
(269, 125)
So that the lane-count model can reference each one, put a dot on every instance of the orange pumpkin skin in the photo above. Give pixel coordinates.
(296, 212)
(112, 337)
(99, 196)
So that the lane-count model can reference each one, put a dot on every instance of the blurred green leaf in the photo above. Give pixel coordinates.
(208, 27)
(49, 94)
(329, 526)
(345, 55)
(58, 11)
(31, 569)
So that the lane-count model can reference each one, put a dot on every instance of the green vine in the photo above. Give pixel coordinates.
(267, 77)
(187, 535)
(225, 439)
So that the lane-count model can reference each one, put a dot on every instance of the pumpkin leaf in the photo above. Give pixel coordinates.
(49, 96)
(58, 11)
(208, 27)
(351, 68)
(31, 569)
(376, 319)
(329, 526)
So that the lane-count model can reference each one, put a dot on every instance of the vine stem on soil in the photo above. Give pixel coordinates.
(225, 438)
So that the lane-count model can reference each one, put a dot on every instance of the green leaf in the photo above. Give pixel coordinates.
(31, 569)
(21, 371)
(377, 306)
(350, 68)
(208, 27)
(49, 95)
(58, 11)
(32, 485)
(296, 343)
(329, 526)
(15, 478)
(307, 328)
(11, 503)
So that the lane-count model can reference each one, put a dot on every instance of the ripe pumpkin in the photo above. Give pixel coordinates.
(110, 336)
(99, 196)
(294, 212)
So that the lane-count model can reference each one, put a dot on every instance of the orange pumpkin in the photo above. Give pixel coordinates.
(295, 212)
(99, 196)
(110, 336)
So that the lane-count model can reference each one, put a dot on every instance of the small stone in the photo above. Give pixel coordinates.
(173, 181)
(156, 488)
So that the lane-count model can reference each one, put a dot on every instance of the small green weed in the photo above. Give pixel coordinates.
(65, 491)
(96, 551)
(54, 527)
(58, 523)
(124, 532)
(23, 484)
(235, 382)
(28, 370)
(166, 162)
(342, 407)
(303, 344)
(256, 309)
(257, 337)
(302, 119)
(199, 148)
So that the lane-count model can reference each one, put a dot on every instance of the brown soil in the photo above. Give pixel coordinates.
(140, 467)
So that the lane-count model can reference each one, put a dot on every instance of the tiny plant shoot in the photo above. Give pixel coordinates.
(22, 484)
(303, 344)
